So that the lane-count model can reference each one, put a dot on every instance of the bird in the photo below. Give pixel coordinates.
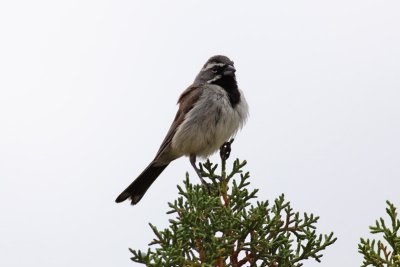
(211, 111)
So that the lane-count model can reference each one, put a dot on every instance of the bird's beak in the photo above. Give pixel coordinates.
(229, 70)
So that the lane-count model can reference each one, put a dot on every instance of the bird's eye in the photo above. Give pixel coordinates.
(215, 70)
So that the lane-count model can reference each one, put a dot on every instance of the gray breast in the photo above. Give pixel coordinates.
(210, 123)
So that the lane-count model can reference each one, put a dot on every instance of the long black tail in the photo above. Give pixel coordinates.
(138, 188)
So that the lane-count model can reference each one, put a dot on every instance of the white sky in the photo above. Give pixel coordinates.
(88, 91)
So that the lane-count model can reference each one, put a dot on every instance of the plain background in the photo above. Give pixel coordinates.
(88, 91)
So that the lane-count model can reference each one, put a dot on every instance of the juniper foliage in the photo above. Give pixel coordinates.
(223, 225)
(383, 253)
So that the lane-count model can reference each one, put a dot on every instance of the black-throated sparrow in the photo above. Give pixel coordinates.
(210, 111)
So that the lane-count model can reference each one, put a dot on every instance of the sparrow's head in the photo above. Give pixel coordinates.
(217, 70)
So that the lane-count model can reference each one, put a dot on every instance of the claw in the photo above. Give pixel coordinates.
(225, 149)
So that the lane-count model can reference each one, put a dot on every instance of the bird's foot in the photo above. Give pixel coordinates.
(204, 183)
(225, 149)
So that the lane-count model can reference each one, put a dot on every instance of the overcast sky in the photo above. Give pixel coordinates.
(88, 91)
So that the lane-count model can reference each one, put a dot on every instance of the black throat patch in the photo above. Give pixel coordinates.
(229, 84)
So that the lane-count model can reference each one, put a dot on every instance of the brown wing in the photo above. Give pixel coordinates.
(186, 102)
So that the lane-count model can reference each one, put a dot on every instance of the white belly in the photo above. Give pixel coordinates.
(210, 123)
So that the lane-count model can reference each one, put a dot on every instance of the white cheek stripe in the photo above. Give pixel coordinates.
(214, 79)
(211, 65)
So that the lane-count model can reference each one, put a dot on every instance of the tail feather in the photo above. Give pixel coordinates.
(138, 188)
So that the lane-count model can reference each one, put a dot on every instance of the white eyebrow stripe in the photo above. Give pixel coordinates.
(211, 65)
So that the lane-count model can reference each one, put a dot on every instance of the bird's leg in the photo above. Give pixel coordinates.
(225, 149)
(224, 152)
(193, 162)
